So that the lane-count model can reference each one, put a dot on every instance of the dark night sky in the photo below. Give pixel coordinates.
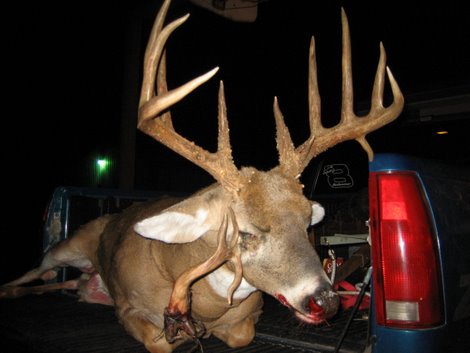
(66, 66)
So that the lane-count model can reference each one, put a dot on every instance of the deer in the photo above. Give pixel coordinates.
(178, 270)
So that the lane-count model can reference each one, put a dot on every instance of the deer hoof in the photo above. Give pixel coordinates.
(177, 325)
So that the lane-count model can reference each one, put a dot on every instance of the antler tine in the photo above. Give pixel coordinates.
(350, 127)
(347, 111)
(179, 300)
(177, 315)
(314, 101)
(291, 158)
(153, 54)
(288, 159)
(155, 119)
(223, 165)
(154, 59)
(151, 105)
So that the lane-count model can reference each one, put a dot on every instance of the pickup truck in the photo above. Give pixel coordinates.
(406, 221)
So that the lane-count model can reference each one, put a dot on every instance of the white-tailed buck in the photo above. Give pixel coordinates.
(189, 269)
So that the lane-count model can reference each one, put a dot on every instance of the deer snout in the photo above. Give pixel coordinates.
(323, 303)
(314, 308)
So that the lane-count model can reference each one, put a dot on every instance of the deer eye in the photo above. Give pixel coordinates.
(247, 236)
(251, 242)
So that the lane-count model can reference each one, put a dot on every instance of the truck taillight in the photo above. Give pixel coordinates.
(404, 253)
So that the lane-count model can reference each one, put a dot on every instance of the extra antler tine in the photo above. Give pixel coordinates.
(179, 300)
(222, 234)
(366, 147)
(235, 229)
(235, 258)
(237, 263)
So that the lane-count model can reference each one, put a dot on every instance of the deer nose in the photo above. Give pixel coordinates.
(324, 301)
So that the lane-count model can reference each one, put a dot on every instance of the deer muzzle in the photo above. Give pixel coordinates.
(323, 304)
(315, 308)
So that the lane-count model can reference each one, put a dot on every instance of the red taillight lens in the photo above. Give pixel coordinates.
(404, 250)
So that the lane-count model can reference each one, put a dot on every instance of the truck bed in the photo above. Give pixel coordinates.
(57, 322)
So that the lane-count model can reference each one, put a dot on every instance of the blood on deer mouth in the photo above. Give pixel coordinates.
(315, 316)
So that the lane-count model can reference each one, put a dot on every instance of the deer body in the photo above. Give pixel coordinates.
(186, 269)
(140, 274)
(136, 268)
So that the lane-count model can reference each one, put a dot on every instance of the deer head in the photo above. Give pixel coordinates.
(270, 210)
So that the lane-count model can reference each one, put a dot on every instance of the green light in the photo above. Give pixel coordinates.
(102, 165)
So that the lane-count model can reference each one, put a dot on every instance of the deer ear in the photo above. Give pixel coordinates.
(318, 212)
(174, 226)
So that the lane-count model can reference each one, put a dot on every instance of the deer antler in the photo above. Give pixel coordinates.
(294, 160)
(177, 314)
(155, 119)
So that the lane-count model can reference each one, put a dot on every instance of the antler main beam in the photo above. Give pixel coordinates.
(351, 127)
(156, 99)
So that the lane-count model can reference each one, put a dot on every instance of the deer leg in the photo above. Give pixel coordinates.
(91, 289)
(237, 335)
(75, 251)
(177, 316)
(235, 332)
(18, 291)
(146, 332)
(46, 271)
(56, 257)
